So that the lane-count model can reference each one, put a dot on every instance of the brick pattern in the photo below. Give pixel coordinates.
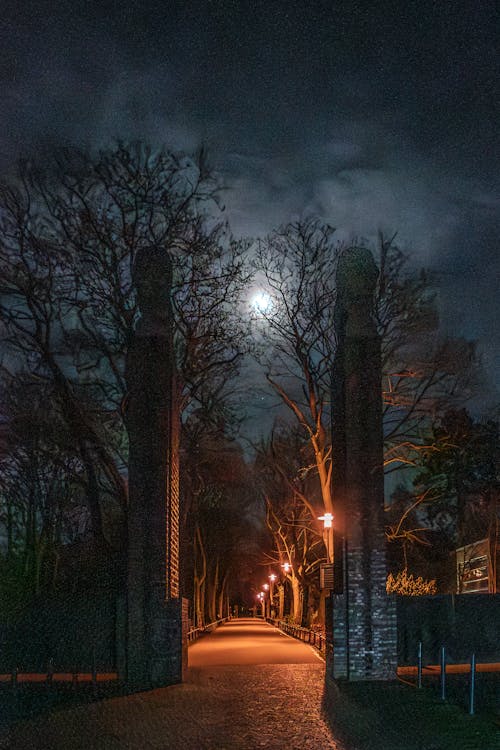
(172, 510)
(185, 630)
(154, 620)
(167, 645)
(364, 617)
(364, 621)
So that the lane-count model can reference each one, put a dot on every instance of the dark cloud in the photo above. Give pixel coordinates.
(373, 115)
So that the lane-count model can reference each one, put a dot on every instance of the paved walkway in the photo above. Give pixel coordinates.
(249, 686)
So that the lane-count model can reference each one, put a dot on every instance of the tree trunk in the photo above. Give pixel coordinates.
(222, 598)
(212, 605)
(281, 601)
(297, 595)
(199, 579)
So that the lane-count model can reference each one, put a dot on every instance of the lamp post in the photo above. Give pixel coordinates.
(272, 578)
(265, 586)
(328, 534)
(281, 590)
(260, 597)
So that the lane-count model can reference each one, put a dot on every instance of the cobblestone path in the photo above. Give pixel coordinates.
(222, 707)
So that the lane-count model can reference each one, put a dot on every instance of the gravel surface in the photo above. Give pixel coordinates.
(222, 708)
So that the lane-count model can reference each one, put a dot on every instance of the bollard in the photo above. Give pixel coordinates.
(443, 673)
(50, 672)
(472, 693)
(419, 665)
(94, 670)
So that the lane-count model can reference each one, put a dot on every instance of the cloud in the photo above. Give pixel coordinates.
(302, 123)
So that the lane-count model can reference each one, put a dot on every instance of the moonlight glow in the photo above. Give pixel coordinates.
(261, 301)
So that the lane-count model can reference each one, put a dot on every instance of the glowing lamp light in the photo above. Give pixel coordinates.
(272, 577)
(286, 567)
(327, 520)
(265, 586)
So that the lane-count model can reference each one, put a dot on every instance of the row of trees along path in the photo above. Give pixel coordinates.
(70, 232)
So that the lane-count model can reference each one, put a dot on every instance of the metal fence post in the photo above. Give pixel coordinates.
(443, 673)
(94, 670)
(50, 672)
(419, 665)
(472, 692)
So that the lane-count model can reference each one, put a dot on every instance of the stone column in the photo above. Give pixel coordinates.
(154, 610)
(364, 617)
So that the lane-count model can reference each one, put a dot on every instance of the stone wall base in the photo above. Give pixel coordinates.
(168, 660)
(364, 621)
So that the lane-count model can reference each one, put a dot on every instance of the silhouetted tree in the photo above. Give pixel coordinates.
(69, 236)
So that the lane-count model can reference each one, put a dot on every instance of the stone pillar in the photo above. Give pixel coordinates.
(364, 617)
(154, 612)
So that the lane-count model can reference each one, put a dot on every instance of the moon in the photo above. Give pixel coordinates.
(261, 302)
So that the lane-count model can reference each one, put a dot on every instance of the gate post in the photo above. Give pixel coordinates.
(364, 617)
(154, 617)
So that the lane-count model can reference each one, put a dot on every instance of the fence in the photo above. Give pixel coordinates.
(453, 641)
(72, 635)
(464, 623)
(463, 683)
(195, 633)
(315, 638)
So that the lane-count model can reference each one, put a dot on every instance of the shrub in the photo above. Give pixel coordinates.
(406, 585)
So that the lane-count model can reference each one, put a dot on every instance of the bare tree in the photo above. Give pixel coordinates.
(292, 503)
(297, 264)
(423, 372)
(219, 505)
(69, 236)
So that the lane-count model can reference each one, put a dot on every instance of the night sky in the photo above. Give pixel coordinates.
(373, 115)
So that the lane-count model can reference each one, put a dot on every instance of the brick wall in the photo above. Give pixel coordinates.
(364, 619)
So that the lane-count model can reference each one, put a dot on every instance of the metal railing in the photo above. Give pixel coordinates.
(195, 633)
(316, 638)
(439, 673)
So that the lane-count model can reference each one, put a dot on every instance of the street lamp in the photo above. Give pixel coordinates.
(327, 520)
(267, 608)
(272, 578)
(287, 569)
(328, 534)
(260, 597)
